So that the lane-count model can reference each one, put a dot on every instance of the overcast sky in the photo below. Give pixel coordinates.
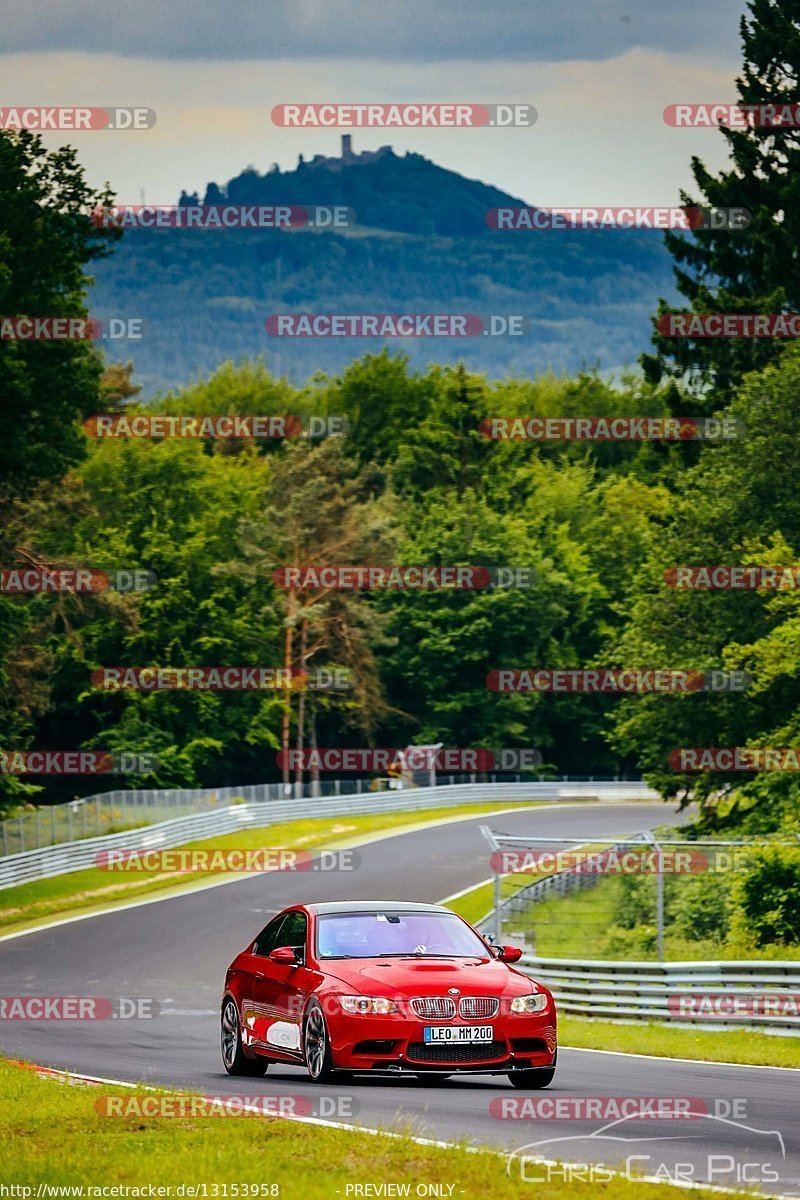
(599, 72)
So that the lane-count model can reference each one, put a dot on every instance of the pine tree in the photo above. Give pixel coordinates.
(752, 270)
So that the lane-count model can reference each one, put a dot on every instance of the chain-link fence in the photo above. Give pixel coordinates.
(114, 812)
(642, 898)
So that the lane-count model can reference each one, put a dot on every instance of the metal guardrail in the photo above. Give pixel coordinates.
(67, 857)
(113, 812)
(668, 992)
(559, 883)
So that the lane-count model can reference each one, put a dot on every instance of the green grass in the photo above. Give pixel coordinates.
(479, 901)
(30, 904)
(53, 1134)
(730, 1045)
(475, 904)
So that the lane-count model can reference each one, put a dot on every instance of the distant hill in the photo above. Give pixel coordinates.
(420, 244)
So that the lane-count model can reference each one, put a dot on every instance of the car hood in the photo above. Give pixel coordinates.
(419, 977)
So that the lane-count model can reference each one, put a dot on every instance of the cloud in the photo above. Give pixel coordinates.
(383, 30)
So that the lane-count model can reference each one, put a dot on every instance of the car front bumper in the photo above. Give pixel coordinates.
(520, 1042)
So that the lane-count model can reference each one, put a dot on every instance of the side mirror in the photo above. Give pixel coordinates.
(284, 955)
(510, 954)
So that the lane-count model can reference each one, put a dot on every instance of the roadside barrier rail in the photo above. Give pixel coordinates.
(65, 857)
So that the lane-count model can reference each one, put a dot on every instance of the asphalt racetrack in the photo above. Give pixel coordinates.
(176, 951)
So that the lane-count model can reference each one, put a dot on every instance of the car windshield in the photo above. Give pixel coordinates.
(397, 935)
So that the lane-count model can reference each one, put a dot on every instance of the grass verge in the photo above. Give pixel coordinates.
(51, 1134)
(728, 1045)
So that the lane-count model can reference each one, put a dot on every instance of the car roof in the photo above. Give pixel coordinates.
(374, 906)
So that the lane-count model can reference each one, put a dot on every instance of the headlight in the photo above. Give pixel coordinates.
(368, 1004)
(529, 1004)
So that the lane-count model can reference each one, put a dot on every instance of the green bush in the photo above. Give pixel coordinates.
(634, 901)
(768, 896)
(631, 944)
(700, 908)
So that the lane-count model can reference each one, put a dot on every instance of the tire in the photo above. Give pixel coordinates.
(234, 1059)
(535, 1078)
(316, 1044)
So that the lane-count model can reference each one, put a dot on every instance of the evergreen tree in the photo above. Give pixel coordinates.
(752, 270)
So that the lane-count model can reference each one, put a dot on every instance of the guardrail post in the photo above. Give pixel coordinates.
(21, 833)
(649, 837)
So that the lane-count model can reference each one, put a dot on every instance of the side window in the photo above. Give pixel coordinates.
(293, 931)
(268, 938)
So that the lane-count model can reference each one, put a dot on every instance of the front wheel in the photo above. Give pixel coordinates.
(234, 1059)
(534, 1079)
(316, 1044)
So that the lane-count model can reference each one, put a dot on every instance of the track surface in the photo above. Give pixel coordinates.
(176, 952)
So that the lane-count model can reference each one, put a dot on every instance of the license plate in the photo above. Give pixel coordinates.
(459, 1033)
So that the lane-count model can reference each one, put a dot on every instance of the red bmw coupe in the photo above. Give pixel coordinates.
(384, 987)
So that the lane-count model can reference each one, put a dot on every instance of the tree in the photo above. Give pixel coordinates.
(318, 511)
(46, 240)
(756, 270)
(117, 387)
(738, 506)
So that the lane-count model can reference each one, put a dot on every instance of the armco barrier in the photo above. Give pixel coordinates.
(66, 857)
(652, 991)
(112, 812)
